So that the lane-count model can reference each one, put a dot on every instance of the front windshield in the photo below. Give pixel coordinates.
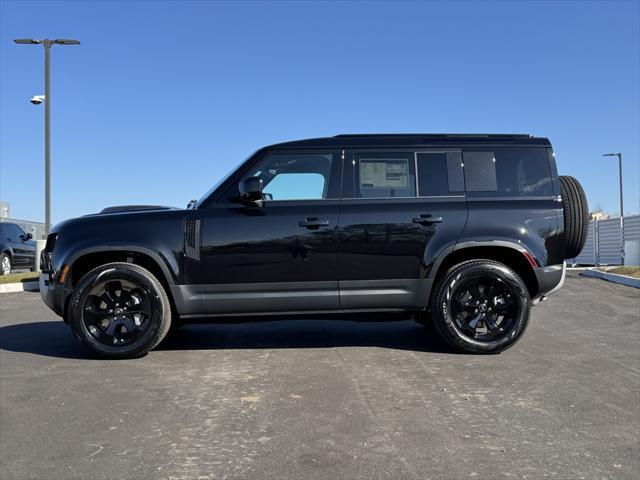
(221, 181)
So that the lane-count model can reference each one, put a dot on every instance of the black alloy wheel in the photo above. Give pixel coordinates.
(119, 310)
(481, 306)
(484, 307)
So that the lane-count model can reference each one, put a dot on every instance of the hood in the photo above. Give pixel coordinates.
(133, 208)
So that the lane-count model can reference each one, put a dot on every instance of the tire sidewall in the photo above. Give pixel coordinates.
(445, 323)
(139, 276)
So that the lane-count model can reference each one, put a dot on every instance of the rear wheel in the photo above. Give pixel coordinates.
(120, 310)
(5, 264)
(481, 306)
(425, 319)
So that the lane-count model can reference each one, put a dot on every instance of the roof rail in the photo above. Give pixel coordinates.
(435, 135)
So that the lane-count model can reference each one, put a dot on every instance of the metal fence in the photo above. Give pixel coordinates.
(35, 228)
(603, 241)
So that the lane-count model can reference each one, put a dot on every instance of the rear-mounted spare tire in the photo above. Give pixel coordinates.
(576, 216)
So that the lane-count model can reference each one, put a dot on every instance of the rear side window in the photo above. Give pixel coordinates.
(439, 173)
(507, 171)
(384, 175)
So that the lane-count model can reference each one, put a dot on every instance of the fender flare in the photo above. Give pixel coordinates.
(156, 257)
(472, 243)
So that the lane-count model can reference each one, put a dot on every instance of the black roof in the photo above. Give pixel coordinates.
(376, 140)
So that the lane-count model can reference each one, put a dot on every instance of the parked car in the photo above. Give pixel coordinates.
(464, 231)
(17, 247)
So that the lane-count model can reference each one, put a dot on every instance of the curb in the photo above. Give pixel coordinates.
(612, 277)
(20, 287)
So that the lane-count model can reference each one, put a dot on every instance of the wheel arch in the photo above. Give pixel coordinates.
(86, 260)
(510, 254)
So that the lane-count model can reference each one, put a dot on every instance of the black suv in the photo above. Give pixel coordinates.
(462, 231)
(17, 249)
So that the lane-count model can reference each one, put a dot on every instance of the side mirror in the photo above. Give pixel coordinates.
(28, 236)
(251, 190)
(25, 236)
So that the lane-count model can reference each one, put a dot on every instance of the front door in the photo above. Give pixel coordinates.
(400, 209)
(280, 254)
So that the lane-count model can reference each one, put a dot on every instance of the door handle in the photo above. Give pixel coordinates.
(426, 219)
(313, 223)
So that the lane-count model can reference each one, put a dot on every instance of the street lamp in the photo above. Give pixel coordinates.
(619, 155)
(46, 43)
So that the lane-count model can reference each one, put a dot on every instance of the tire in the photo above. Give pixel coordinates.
(119, 310)
(425, 319)
(500, 308)
(5, 264)
(576, 216)
(175, 326)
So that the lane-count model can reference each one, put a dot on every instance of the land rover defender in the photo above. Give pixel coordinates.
(462, 232)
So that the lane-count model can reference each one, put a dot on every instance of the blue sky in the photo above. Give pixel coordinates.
(163, 98)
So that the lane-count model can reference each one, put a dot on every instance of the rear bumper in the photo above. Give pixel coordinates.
(550, 279)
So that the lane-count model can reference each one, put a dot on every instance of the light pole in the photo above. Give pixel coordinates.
(619, 155)
(46, 43)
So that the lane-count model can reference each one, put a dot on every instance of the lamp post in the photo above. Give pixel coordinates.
(46, 43)
(619, 155)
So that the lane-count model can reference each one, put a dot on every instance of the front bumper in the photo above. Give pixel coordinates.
(550, 280)
(50, 292)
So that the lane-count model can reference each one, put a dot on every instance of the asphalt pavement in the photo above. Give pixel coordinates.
(328, 399)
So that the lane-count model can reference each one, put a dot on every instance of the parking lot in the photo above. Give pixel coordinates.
(322, 399)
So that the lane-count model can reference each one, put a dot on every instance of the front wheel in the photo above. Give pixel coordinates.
(119, 310)
(481, 306)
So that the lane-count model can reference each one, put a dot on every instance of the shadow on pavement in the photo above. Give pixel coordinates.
(54, 339)
(50, 339)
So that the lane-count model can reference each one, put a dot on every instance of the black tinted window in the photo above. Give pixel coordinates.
(480, 172)
(384, 175)
(11, 231)
(508, 171)
(439, 173)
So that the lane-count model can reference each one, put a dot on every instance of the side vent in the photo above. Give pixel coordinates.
(192, 238)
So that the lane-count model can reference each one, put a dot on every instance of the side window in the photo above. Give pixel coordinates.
(480, 172)
(13, 232)
(507, 171)
(439, 173)
(383, 175)
(296, 186)
(304, 176)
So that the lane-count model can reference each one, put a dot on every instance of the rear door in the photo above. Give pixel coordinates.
(399, 210)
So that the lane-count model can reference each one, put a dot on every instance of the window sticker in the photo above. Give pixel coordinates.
(380, 173)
